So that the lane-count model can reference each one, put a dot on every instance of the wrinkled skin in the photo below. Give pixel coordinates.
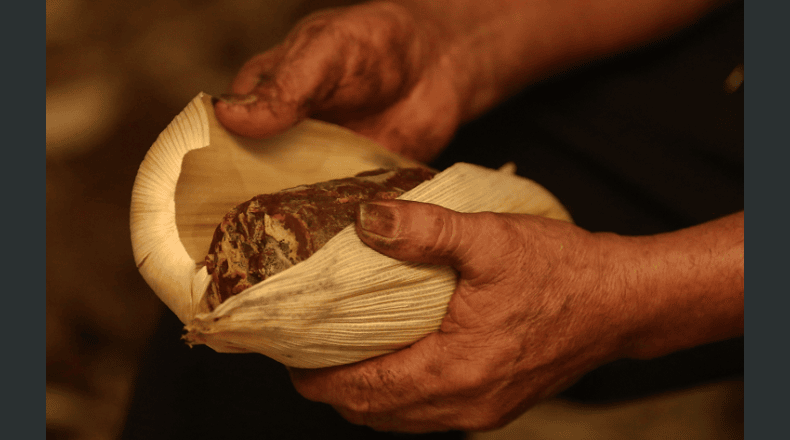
(406, 73)
(515, 330)
(539, 302)
(371, 69)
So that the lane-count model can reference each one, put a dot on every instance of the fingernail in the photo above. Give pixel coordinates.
(236, 99)
(379, 219)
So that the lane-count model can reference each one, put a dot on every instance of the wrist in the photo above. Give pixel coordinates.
(494, 49)
(681, 289)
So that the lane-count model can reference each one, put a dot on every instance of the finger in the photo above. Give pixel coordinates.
(377, 385)
(384, 385)
(257, 70)
(337, 66)
(473, 244)
(404, 391)
(277, 89)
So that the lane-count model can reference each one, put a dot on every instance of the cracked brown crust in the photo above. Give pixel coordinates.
(272, 232)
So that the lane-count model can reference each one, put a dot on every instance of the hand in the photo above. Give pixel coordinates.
(372, 68)
(531, 313)
(405, 73)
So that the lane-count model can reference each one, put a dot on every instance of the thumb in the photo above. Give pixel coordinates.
(473, 244)
(268, 98)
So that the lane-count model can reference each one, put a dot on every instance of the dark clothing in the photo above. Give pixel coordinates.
(645, 143)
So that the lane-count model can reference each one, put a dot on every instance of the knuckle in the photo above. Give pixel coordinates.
(305, 387)
(353, 407)
(480, 245)
(314, 24)
(440, 235)
(359, 396)
(475, 380)
(359, 407)
(445, 235)
(464, 375)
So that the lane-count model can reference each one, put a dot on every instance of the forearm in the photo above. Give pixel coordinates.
(682, 289)
(495, 48)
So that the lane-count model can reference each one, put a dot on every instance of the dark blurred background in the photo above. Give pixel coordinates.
(118, 72)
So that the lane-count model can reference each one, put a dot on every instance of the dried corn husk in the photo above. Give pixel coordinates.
(346, 302)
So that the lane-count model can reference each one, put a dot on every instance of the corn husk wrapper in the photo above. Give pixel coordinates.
(346, 302)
